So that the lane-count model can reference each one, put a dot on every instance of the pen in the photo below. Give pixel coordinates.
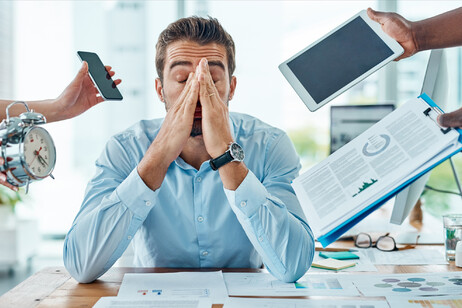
(334, 249)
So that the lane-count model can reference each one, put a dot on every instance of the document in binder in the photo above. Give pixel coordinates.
(361, 176)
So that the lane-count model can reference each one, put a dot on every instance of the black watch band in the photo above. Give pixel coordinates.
(221, 160)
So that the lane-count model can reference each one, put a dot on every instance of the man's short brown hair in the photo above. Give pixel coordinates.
(200, 30)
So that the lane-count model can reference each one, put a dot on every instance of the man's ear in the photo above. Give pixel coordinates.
(232, 87)
(159, 91)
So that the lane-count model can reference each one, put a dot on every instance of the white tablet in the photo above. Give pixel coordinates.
(339, 60)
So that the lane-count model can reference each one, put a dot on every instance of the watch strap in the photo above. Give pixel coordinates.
(221, 160)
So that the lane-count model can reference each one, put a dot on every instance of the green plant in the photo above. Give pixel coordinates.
(309, 142)
(9, 197)
(437, 203)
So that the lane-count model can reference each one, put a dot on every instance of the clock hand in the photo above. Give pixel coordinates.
(41, 160)
(36, 153)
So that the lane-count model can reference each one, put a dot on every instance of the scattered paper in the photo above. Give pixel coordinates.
(263, 284)
(411, 238)
(414, 284)
(419, 256)
(302, 303)
(175, 285)
(116, 302)
(428, 302)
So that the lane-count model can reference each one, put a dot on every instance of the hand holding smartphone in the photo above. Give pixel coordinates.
(103, 82)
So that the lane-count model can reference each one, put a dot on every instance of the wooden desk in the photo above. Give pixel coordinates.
(54, 287)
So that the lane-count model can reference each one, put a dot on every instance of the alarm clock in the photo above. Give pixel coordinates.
(27, 149)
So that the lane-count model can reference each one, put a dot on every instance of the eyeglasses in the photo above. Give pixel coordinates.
(383, 243)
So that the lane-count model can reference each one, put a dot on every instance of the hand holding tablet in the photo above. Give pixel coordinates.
(339, 60)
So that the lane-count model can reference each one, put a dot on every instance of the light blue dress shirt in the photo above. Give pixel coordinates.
(191, 220)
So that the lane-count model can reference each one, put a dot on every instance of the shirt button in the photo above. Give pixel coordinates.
(200, 219)
(129, 237)
(243, 204)
(205, 253)
(148, 203)
(199, 179)
(260, 238)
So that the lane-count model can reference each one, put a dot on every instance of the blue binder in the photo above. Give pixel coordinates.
(335, 233)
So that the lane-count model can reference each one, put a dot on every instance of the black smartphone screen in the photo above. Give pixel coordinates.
(100, 76)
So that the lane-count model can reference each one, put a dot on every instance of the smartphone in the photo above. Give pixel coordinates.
(100, 76)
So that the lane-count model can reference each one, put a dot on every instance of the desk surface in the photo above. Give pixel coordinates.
(54, 287)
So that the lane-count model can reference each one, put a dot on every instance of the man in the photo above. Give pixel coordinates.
(441, 31)
(156, 185)
(79, 96)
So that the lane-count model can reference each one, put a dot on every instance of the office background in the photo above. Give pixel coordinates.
(38, 44)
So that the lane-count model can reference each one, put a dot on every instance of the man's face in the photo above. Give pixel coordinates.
(182, 58)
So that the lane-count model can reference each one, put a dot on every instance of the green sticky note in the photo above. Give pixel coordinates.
(338, 255)
(333, 264)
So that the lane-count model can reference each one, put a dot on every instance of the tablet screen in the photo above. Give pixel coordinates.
(339, 59)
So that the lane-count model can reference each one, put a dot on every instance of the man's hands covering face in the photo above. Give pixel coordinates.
(176, 129)
(215, 117)
(178, 122)
(172, 136)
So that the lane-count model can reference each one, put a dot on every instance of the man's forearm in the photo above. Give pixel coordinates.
(441, 31)
(233, 174)
(106, 223)
(285, 244)
(94, 239)
(153, 167)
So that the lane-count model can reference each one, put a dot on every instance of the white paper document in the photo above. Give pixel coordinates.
(385, 156)
(363, 264)
(117, 302)
(302, 303)
(425, 302)
(175, 285)
(414, 284)
(420, 256)
(421, 237)
(263, 284)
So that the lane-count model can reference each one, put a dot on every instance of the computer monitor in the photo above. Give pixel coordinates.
(348, 122)
(435, 86)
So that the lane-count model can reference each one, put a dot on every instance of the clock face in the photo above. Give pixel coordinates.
(39, 152)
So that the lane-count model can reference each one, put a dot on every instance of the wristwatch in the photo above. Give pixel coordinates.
(234, 153)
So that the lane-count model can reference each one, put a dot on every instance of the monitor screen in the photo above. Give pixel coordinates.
(348, 122)
(339, 59)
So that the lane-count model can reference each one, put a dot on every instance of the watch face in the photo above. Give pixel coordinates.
(236, 152)
(39, 152)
